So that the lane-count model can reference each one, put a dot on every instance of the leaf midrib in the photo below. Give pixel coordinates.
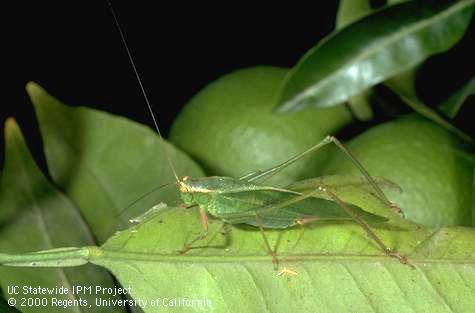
(118, 256)
(42, 223)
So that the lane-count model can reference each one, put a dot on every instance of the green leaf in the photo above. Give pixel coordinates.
(360, 105)
(35, 216)
(374, 49)
(104, 162)
(452, 105)
(339, 269)
(350, 11)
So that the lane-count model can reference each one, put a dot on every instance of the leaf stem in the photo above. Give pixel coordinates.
(60, 257)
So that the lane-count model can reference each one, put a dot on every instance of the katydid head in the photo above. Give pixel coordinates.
(186, 193)
(183, 185)
(195, 191)
(200, 185)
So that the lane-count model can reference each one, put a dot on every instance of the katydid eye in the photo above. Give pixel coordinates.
(183, 187)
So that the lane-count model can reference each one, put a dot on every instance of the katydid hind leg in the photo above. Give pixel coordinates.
(388, 251)
(367, 176)
(265, 174)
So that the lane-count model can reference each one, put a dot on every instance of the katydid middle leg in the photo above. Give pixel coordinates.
(271, 251)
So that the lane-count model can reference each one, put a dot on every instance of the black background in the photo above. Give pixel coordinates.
(73, 50)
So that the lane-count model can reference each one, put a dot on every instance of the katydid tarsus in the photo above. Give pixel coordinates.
(246, 200)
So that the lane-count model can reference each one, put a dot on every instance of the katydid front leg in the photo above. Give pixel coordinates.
(204, 232)
(204, 223)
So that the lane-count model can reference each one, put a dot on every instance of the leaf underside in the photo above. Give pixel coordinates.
(338, 267)
(328, 267)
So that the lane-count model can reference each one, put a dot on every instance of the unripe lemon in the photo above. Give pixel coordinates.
(231, 129)
(425, 160)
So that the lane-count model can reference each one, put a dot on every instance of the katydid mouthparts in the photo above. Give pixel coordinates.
(246, 200)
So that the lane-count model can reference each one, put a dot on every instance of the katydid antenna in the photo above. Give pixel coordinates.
(144, 93)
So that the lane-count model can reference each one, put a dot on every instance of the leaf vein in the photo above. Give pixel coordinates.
(217, 287)
(257, 287)
(436, 290)
(396, 282)
(358, 286)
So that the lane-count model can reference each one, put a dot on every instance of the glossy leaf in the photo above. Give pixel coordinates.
(35, 216)
(374, 49)
(100, 160)
(350, 11)
(337, 268)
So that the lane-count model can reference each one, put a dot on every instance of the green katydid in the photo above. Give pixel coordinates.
(245, 201)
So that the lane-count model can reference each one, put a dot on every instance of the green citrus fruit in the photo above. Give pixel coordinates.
(231, 129)
(425, 160)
